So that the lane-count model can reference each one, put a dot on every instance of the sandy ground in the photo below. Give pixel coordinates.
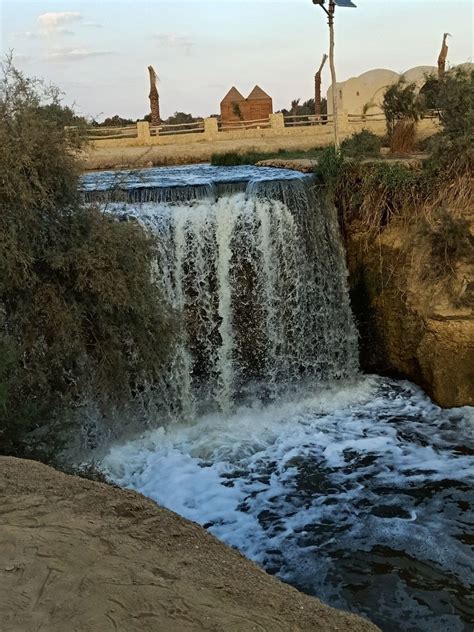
(80, 556)
(165, 155)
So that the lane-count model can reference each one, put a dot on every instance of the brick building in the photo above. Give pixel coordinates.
(236, 108)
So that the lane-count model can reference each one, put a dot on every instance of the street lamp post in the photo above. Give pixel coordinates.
(330, 13)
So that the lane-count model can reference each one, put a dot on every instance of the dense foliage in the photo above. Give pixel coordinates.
(402, 108)
(231, 158)
(435, 195)
(455, 101)
(306, 108)
(79, 314)
(364, 144)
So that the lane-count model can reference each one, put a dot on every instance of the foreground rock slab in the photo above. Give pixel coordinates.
(77, 555)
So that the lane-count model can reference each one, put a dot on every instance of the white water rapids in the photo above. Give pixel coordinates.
(355, 489)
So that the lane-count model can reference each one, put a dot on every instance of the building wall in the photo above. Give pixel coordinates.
(257, 109)
(250, 110)
(228, 114)
(367, 90)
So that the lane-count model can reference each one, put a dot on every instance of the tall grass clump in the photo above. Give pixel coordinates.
(80, 316)
(402, 108)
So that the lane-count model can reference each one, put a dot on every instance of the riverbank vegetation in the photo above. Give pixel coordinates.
(409, 233)
(80, 316)
(374, 193)
(233, 158)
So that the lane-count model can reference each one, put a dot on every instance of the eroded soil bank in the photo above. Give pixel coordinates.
(414, 312)
(80, 555)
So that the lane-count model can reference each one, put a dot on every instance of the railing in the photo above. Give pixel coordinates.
(296, 120)
(366, 118)
(99, 133)
(380, 117)
(253, 124)
(179, 128)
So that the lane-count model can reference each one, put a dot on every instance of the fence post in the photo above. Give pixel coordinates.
(277, 121)
(210, 128)
(143, 133)
(343, 120)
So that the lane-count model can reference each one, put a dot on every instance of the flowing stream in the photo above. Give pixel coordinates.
(355, 489)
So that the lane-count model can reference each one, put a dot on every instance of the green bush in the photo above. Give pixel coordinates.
(454, 146)
(79, 313)
(402, 108)
(229, 159)
(450, 239)
(364, 144)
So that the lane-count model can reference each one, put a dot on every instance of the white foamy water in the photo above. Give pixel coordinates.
(259, 282)
(354, 493)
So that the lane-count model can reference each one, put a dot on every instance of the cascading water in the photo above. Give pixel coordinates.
(259, 279)
(355, 489)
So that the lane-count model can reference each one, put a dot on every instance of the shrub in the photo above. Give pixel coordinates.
(402, 109)
(231, 158)
(79, 313)
(455, 145)
(364, 144)
(450, 239)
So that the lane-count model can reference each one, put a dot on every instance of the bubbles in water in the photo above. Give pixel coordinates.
(356, 494)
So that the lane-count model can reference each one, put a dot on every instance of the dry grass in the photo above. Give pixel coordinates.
(403, 137)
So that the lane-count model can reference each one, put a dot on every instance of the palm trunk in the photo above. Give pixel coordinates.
(154, 98)
(317, 87)
(442, 57)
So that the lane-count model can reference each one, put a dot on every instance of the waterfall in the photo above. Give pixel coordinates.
(256, 270)
(330, 482)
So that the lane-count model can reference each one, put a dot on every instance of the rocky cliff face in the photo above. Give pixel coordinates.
(415, 312)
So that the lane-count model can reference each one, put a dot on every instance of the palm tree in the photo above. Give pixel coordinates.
(154, 97)
(317, 87)
(294, 106)
(443, 55)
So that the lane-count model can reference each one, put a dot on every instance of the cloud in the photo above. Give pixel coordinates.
(92, 25)
(174, 41)
(75, 54)
(26, 35)
(54, 22)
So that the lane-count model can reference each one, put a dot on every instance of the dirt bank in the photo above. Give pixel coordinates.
(81, 556)
(414, 311)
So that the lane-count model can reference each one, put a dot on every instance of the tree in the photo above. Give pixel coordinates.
(80, 316)
(116, 121)
(294, 106)
(317, 87)
(402, 108)
(154, 97)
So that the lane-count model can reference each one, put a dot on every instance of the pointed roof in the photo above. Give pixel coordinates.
(258, 93)
(232, 96)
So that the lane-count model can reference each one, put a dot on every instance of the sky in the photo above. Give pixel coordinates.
(98, 52)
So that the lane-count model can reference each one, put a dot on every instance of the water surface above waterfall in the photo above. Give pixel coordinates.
(355, 489)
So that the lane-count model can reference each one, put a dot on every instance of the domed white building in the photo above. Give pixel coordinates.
(364, 94)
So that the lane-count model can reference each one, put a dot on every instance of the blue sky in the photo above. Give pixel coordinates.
(98, 52)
